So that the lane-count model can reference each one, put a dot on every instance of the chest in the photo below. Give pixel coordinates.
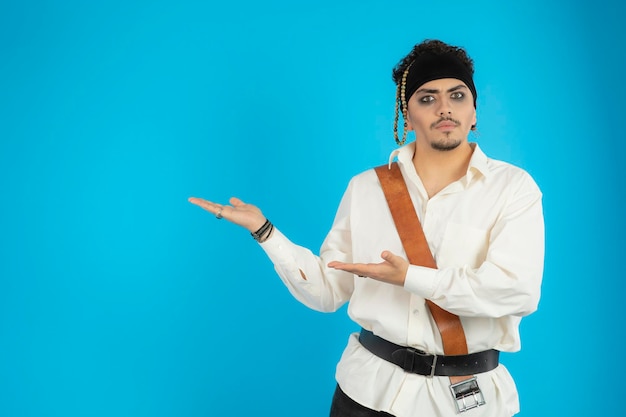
(457, 225)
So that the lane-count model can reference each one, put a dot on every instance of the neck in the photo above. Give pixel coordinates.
(437, 169)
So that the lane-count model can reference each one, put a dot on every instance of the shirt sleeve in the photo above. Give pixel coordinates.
(306, 275)
(508, 282)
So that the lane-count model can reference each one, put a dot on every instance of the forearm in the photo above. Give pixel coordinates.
(506, 282)
(487, 291)
(306, 275)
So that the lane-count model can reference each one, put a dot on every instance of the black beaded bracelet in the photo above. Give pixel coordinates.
(267, 235)
(264, 232)
(261, 230)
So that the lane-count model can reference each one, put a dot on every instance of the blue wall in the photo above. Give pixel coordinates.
(119, 298)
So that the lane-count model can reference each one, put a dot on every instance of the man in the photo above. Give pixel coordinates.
(483, 223)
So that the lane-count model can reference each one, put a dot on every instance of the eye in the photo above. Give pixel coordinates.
(457, 95)
(427, 99)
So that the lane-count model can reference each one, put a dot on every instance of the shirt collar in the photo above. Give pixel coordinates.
(479, 162)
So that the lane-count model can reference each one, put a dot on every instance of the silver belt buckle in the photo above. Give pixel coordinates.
(467, 395)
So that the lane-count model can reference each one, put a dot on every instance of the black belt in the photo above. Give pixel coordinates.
(419, 362)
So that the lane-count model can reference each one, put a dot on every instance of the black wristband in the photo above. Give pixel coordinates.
(264, 231)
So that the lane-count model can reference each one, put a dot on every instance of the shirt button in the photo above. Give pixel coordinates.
(416, 312)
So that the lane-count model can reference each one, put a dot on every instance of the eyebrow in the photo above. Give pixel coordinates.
(434, 91)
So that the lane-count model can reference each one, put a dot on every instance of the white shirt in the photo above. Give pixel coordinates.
(486, 234)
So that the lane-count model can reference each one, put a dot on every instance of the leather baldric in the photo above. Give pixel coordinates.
(416, 247)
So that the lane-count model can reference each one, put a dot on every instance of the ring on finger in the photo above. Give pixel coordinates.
(218, 215)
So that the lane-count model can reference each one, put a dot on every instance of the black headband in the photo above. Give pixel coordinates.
(428, 67)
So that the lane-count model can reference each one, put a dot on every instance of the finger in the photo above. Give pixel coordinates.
(236, 202)
(209, 206)
(398, 263)
(195, 200)
(205, 204)
(357, 269)
(340, 265)
(389, 257)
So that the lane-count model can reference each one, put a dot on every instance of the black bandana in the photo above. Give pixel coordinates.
(429, 67)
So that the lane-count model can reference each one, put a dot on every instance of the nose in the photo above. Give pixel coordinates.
(444, 108)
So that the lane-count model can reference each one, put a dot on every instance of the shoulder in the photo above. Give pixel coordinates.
(510, 176)
(366, 178)
(363, 187)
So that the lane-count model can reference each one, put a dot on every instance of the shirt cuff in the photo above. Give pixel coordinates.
(420, 280)
(276, 248)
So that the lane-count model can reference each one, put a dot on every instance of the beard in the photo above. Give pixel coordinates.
(446, 144)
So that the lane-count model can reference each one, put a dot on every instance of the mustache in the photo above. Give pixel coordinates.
(444, 119)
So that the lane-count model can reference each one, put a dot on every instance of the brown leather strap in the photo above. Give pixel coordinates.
(416, 247)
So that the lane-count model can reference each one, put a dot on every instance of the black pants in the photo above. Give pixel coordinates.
(344, 406)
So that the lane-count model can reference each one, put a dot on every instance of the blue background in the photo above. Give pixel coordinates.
(119, 298)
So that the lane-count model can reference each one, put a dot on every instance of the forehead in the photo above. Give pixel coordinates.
(442, 84)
